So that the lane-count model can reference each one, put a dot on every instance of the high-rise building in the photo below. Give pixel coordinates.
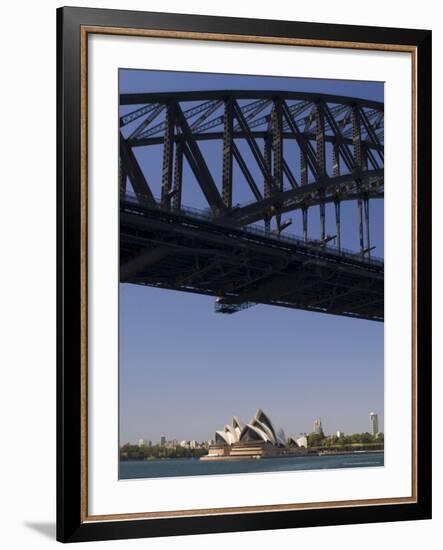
(163, 440)
(373, 418)
(141, 442)
(318, 429)
(340, 434)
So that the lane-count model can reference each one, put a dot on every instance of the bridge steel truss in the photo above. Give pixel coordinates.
(307, 149)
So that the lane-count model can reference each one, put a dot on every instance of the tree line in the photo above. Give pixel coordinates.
(134, 452)
(358, 439)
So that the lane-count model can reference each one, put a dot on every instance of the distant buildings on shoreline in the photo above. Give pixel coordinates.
(259, 428)
(302, 441)
(259, 438)
(373, 418)
(318, 428)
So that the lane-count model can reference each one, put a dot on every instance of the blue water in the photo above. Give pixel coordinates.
(136, 469)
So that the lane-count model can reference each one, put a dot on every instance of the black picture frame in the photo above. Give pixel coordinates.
(71, 524)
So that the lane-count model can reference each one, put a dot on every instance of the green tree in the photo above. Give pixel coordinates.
(314, 440)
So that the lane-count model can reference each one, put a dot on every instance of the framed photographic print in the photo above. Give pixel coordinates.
(244, 271)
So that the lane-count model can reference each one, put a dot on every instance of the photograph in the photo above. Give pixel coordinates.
(251, 276)
(218, 275)
(243, 323)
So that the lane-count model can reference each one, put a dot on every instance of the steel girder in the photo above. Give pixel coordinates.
(170, 250)
(294, 151)
(322, 127)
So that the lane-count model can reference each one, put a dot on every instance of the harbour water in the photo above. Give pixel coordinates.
(137, 469)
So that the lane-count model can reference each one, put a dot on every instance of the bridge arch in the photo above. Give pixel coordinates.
(292, 153)
(291, 150)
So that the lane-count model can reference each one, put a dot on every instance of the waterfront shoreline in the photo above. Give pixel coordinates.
(205, 458)
(230, 458)
(139, 469)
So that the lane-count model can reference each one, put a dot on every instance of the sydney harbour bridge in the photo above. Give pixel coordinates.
(258, 159)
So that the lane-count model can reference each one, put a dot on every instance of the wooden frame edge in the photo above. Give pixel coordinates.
(281, 41)
(90, 29)
(203, 512)
(84, 274)
(87, 29)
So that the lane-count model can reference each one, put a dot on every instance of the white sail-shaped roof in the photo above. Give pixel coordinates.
(234, 433)
(261, 416)
(260, 428)
(222, 437)
(263, 427)
(254, 433)
(281, 437)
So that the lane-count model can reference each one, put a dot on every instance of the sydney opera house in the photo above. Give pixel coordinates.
(256, 439)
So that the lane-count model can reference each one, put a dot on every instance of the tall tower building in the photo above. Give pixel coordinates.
(373, 418)
(318, 429)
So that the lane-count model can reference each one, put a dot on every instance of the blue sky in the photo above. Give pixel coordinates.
(184, 370)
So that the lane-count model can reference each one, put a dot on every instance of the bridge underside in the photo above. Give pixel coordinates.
(241, 268)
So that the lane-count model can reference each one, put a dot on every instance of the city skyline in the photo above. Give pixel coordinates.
(149, 441)
(184, 368)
